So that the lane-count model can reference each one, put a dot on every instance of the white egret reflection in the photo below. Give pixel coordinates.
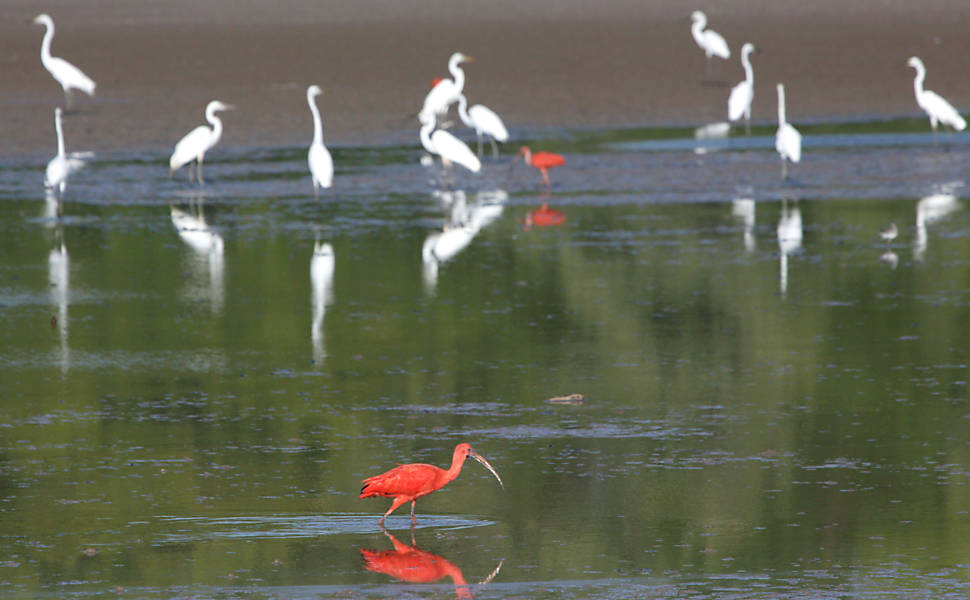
(58, 274)
(208, 263)
(321, 286)
(890, 258)
(463, 222)
(711, 132)
(929, 210)
(789, 239)
(744, 209)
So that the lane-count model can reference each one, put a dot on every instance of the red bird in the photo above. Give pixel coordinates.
(414, 565)
(544, 217)
(542, 161)
(407, 483)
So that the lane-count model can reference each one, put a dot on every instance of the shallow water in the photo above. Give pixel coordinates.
(775, 402)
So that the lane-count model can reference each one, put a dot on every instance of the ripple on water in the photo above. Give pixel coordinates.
(179, 530)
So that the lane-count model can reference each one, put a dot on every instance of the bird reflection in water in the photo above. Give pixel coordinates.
(744, 209)
(929, 210)
(789, 239)
(208, 247)
(414, 565)
(58, 268)
(543, 217)
(321, 283)
(463, 221)
(710, 137)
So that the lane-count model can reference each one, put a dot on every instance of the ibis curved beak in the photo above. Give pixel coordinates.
(485, 464)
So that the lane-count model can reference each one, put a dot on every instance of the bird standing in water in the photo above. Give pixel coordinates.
(542, 161)
(407, 483)
(935, 106)
(318, 157)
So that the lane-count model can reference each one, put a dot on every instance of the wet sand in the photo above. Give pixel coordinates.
(552, 64)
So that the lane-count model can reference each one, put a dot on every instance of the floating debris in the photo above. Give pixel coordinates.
(571, 399)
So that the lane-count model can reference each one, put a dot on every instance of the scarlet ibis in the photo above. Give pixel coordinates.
(544, 217)
(788, 141)
(938, 109)
(739, 102)
(542, 161)
(407, 483)
(710, 41)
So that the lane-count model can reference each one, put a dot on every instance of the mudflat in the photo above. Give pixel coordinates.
(546, 64)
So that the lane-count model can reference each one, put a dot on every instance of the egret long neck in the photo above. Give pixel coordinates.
(463, 110)
(60, 133)
(697, 28)
(781, 105)
(426, 137)
(746, 63)
(210, 116)
(317, 123)
(459, 75)
(918, 81)
(45, 45)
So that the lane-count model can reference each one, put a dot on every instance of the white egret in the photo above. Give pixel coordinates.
(710, 41)
(484, 121)
(318, 158)
(66, 74)
(446, 92)
(788, 141)
(61, 166)
(447, 146)
(198, 141)
(739, 102)
(938, 109)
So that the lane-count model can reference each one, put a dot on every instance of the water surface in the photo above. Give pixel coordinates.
(193, 383)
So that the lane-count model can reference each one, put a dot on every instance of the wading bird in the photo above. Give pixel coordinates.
(407, 483)
(446, 91)
(484, 121)
(788, 141)
(449, 148)
(938, 109)
(739, 102)
(542, 161)
(61, 166)
(710, 41)
(889, 233)
(66, 74)
(318, 158)
(197, 142)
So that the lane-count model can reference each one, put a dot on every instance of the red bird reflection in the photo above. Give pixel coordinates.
(544, 217)
(414, 565)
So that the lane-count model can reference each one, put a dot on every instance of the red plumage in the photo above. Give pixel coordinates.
(542, 161)
(407, 483)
